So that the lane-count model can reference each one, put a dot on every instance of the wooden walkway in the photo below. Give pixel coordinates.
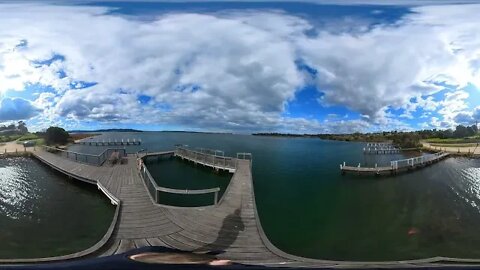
(232, 226)
(211, 160)
(396, 166)
(91, 142)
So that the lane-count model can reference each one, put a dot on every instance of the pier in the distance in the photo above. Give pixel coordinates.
(380, 148)
(396, 166)
(122, 142)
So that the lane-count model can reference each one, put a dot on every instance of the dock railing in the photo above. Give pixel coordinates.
(110, 142)
(208, 157)
(396, 165)
(155, 190)
(412, 162)
(91, 159)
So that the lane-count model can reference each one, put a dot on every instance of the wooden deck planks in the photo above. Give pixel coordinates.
(125, 245)
(156, 242)
(142, 242)
(142, 223)
(111, 250)
(238, 235)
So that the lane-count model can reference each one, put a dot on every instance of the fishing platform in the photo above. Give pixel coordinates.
(228, 226)
(381, 148)
(396, 166)
(122, 142)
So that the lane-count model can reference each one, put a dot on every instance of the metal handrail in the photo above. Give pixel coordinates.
(410, 162)
(207, 158)
(145, 174)
(100, 158)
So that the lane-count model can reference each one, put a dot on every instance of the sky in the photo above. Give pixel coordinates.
(244, 66)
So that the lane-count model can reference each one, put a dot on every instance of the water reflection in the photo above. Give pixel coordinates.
(16, 191)
(43, 214)
(308, 208)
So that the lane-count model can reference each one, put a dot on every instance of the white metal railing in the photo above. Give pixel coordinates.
(405, 163)
(90, 159)
(412, 162)
(378, 144)
(207, 157)
(111, 142)
(155, 190)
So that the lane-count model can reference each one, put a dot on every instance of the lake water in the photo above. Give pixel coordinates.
(44, 214)
(309, 209)
(177, 174)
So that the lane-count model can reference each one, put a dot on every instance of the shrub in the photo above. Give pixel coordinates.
(56, 135)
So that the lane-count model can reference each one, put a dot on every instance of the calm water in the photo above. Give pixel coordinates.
(307, 208)
(44, 214)
(175, 173)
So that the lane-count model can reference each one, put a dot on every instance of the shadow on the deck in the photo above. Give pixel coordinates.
(231, 227)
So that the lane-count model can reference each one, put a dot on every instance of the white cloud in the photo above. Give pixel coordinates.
(235, 71)
(389, 65)
(16, 109)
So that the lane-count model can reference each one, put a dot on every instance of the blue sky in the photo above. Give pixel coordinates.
(313, 67)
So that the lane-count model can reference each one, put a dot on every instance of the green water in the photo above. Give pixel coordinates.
(44, 214)
(309, 209)
(182, 174)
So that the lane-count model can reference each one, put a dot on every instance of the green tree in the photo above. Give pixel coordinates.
(22, 127)
(56, 135)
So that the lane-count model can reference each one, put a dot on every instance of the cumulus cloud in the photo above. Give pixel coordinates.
(389, 65)
(16, 109)
(234, 70)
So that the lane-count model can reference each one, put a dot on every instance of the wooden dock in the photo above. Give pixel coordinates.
(396, 166)
(122, 142)
(381, 148)
(231, 226)
(218, 162)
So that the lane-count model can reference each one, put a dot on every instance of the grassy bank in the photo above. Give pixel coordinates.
(468, 140)
(9, 138)
(454, 144)
(20, 139)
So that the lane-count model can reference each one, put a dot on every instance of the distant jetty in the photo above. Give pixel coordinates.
(381, 148)
(122, 142)
(396, 166)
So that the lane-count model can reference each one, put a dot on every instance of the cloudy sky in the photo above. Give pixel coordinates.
(313, 67)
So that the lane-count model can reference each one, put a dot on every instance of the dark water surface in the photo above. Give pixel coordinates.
(308, 208)
(182, 174)
(44, 214)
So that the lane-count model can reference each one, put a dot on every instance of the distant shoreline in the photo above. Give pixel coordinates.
(331, 137)
(141, 131)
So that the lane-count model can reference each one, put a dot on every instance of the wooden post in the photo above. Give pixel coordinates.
(215, 198)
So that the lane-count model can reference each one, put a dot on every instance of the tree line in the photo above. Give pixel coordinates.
(404, 139)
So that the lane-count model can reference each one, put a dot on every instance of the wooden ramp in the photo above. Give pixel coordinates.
(231, 227)
(396, 166)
